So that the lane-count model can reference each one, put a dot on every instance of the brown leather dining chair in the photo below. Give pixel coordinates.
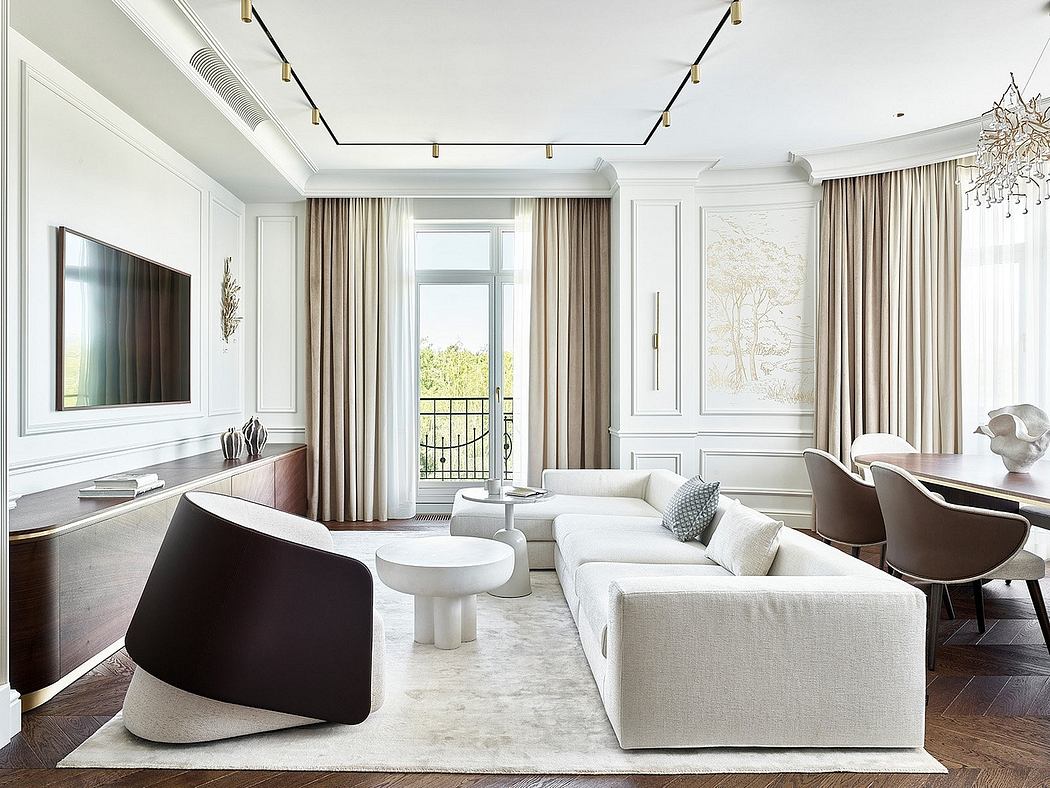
(942, 543)
(846, 507)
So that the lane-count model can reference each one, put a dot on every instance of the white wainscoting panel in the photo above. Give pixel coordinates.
(656, 268)
(277, 349)
(81, 162)
(651, 461)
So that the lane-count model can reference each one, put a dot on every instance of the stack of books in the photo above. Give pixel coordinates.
(525, 492)
(122, 485)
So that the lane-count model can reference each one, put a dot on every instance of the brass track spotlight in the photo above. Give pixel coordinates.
(286, 71)
(435, 150)
(666, 118)
(315, 116)
(694, 73)
(734, 12)
(550, 151)
(246, 10)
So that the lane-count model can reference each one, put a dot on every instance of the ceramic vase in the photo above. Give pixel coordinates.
(1020, 435)
(232, 443)
(254, 436)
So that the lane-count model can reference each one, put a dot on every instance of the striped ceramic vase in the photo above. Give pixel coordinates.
(232, 443)
(254, 436)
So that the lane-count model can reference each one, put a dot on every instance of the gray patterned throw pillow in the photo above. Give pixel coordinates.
(691, 509)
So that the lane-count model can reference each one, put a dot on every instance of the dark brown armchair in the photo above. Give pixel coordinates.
(249, 622)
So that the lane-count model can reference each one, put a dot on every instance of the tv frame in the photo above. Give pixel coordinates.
(60, 339)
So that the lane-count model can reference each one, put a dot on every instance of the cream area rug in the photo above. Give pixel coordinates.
(519, 700)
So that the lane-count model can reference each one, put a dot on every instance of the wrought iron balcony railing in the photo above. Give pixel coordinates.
(454, 438)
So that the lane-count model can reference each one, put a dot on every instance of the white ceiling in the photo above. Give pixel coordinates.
(96, 41)
(798, 75)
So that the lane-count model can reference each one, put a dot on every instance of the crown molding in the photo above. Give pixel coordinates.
(457, 183)
(896, 153)
(617, 171)
(174, 29)
(778, 176)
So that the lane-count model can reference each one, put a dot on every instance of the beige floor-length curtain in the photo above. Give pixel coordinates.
(569, 339)
(361, 382)
(888, 315)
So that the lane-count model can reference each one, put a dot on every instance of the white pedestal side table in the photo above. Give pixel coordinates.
(444, 574)
(519, 583)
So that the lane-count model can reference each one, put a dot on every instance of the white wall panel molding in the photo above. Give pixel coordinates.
(909, 150)
(649, 461)
(206, 442)
(37, 283)
(85, 164)
(702, 432)
(784, 470)
(656, 273)
(276, 349)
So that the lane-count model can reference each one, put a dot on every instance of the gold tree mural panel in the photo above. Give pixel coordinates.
(759, 295)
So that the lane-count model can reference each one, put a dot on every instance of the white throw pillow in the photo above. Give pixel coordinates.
(745, 541)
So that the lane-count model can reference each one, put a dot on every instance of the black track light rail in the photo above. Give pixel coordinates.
(313, 105)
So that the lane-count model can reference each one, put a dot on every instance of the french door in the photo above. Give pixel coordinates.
(465, 281)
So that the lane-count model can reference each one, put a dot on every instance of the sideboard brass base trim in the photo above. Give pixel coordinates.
(41, 696)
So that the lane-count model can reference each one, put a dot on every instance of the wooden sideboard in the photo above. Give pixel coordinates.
(78, 566)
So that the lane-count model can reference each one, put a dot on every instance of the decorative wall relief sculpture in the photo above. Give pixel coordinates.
(229, 303)
(255, 436)
(1020, 435)
(759, 353)
(232, 443)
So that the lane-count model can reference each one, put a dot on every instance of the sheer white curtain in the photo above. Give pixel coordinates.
(402, 365)
(523, 210)
(1005, 325)
(1005, 321)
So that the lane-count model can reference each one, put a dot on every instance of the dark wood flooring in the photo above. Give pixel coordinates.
(988, 722)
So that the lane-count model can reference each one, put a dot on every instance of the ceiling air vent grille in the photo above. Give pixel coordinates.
(217, 74)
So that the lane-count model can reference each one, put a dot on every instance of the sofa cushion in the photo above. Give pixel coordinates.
(745, 541)
(535, 520)
(565, 524)
(627, 547)
(662, 484)
(592, 586)
(691, 509)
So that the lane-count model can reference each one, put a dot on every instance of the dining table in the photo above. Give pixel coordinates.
(973, 479)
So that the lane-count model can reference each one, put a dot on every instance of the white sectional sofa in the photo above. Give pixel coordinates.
(824, 651)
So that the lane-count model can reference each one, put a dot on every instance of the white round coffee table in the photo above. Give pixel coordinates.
(519, 583)
(444, 573)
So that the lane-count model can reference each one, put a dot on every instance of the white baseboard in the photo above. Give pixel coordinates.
(11, 722)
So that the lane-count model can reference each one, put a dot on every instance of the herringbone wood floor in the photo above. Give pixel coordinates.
(988, 722)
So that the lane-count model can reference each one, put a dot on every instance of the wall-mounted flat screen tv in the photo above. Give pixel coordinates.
(123, 327)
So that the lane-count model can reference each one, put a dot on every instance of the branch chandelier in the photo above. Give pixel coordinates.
(1013, 152)
(732, 15)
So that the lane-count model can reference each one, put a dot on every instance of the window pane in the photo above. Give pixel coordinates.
(441, 251)
(510, 260)
(453, 381)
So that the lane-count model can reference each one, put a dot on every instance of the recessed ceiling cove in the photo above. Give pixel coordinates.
(793, 76)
